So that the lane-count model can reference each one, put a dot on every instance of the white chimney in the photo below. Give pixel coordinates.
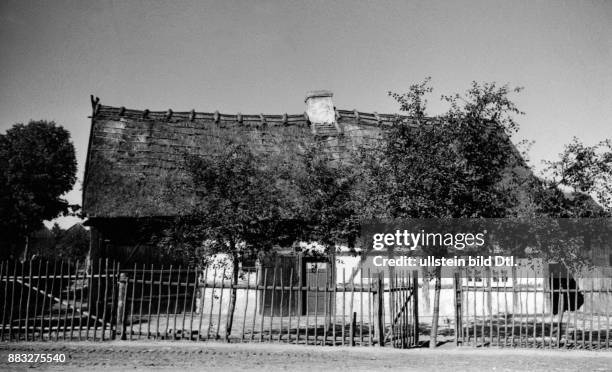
(320, 107)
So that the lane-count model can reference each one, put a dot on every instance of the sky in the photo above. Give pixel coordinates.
(262, 56)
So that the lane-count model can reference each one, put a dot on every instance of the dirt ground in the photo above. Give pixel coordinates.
(187, 356)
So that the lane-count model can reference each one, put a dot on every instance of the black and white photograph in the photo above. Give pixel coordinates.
(306, 185)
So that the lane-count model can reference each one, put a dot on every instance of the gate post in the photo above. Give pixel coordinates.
(121, 300)
(415, 306)
(353, 326)
(379, 305)
(458, 310)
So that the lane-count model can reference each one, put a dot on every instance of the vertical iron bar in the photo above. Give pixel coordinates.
(134, 275)
(246, 305)
(89, 297)
(185, 302)
(316, 312)
(326, 307)
(551, 278)
(59, 316)
(476, 295)
(535, 308)
(193, 297)
(257, 274)
(344, 305)
(176, 301)
(159, 301)
(560, 311)
(301, 279)
(567, 296)
(51, 300)
(282, 304)
(361, 307)
(29, 290)
(352, 341)
(5, 273)
(141, 297)
(36, 294)
(608, 284)
(520, 298)
(370, 300)
(290, 306)
(98, 296)
(69, 267)
(204, 284)
(10, 325)
(591, 316)
(212, 304)
(169, 300)
(113, 316)
(2, 272)
(263, 303)
(514, 297)
(74, 298)
(272, 301)
(151, 284)
(506, 312)
(220, 304)
(42, 307)
(334, 302)
(105, 298)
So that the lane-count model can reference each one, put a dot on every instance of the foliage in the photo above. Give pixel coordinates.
(241, 206)
(486, 101)
(448, 167)
(37, 166)
(585, 172)
(577, 187)
(328, 212)
(248, 202)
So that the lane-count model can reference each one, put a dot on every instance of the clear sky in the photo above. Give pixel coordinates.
(261, 56)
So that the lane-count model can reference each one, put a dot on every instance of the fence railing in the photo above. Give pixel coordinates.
(59, 300)
(551, 311)
(63, 300)
(101, 300)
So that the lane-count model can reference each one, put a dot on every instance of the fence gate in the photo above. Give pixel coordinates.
(57, 300)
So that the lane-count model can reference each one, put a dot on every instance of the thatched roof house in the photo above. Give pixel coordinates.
(135, 158)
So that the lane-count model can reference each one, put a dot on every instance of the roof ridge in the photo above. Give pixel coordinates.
(123, 110)
(360, 117)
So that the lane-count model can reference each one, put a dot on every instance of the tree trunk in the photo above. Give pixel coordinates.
(436, 310)
(232, 300)
(330, 285)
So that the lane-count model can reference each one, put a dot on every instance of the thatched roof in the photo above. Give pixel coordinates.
(135, 158)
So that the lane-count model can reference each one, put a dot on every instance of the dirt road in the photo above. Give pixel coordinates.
(144, 356)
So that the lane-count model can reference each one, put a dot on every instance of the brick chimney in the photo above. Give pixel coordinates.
(320, 107)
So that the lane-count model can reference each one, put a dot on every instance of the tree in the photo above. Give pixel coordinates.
(248, 202)
(451, 166)
(37, 166)
(576, 186)
(244, 205)
(585, 172)
(328, 212)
